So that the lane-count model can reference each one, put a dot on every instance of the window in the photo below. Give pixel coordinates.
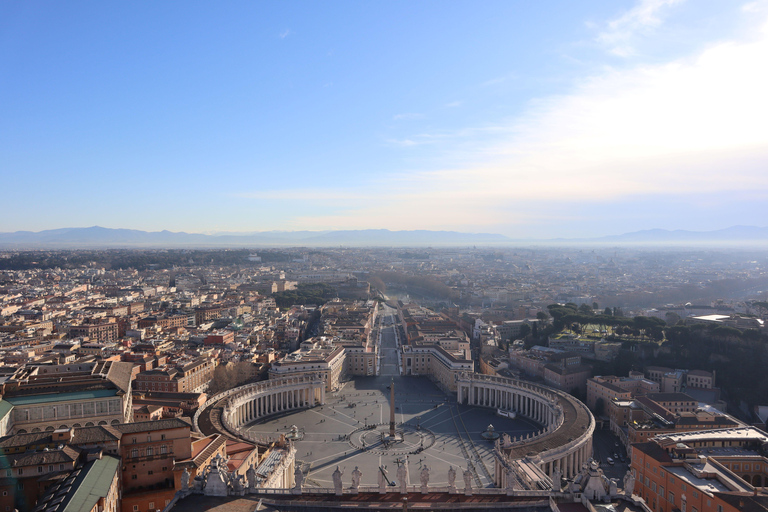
(39, 469)
(135, 508)
(61, 467)
(50, 467)
(671, 497)
(151, 505)
(134, 477)
(150, 451)
(134, 440)
(21, 471)
(162, 437)
(163, 449)
(150, 472)
(134, 453)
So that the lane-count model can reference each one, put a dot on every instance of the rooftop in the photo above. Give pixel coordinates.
(17, 401)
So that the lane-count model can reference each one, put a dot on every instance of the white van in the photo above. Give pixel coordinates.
(610, 461)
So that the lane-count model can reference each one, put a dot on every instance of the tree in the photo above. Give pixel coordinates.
(672, 318)
(229, 375)
(608, 311)
(525, 330)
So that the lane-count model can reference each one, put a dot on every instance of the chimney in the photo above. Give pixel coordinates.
(64, 435)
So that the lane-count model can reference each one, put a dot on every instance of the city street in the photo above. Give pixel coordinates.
(605, 444)
(388, 351)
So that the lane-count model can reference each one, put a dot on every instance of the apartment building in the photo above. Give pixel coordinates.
(706, 471)
(185, 377)
(314, 356)
(433, 361)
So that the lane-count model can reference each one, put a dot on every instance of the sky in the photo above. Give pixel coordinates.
(529, 119)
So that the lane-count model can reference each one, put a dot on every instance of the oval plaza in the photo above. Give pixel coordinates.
(551, 434)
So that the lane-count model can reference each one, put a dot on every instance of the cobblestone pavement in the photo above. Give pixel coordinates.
(420, 405)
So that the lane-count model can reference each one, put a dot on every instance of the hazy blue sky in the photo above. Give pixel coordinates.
(526, 118)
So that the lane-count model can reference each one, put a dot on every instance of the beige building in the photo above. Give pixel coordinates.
(315, 356)
(64, 396)
(436, 363)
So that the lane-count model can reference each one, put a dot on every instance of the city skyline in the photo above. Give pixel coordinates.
(540, 121)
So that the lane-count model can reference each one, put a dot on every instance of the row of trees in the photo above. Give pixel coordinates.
(576, 317)
(312, 294)
(230, 375)
(737, 355)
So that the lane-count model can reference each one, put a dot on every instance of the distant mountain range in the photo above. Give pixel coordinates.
(98, 237)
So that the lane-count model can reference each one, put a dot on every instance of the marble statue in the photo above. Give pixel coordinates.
(237, 485)
(298, 478)
(557, 478)
(356, 476)
(424, 477)
(185, 480)
(467, 482)
(402, 478)
(251, 475)
(613, 489)
(629, 483)
(198, 484)
(337, 485)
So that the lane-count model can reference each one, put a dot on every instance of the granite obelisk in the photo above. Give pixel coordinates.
(392, 410)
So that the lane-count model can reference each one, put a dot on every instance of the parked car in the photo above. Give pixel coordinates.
(610, 461)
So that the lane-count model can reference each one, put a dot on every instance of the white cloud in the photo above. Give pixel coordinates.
(407, 115)
(693, 128)
(620, 32)
(285, 33)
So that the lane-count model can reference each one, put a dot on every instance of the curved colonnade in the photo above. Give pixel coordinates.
(253, 401)
(561, 446)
